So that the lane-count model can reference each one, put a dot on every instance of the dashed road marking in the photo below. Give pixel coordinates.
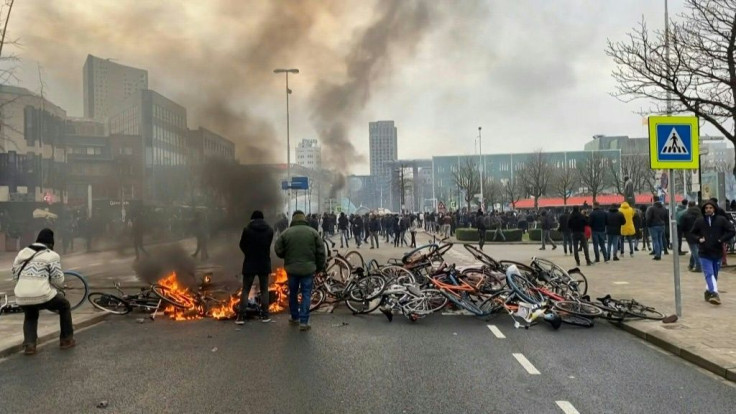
(620, 283)
(566, 407)
(526, 364)
(496, 331)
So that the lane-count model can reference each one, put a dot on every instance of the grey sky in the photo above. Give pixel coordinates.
(532, 73)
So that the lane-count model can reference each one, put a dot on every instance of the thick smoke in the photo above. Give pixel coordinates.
(217, 58)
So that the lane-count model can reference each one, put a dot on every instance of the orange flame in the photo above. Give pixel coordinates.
(280, 286)
(195, 310)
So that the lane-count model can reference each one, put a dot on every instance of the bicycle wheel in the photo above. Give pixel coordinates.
(338, 270)
(524, 288)
(525, 270)
(419, 254)
(578, 308)
(433, 300)
(576, 320)
(398, 274)
(363, 306)
(318, 298)
(578, 283)
(109, 303)
(74, 289)
(355, 259)
(482, 257)
(645, 312)
(367, 288)
(172, 298)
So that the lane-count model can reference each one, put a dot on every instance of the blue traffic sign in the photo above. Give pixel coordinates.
(673, 142)
(300, 183)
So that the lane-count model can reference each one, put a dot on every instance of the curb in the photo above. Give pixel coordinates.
(13, 349)
(687, 355)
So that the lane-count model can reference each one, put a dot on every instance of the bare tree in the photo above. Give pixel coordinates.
(492, 191)
(564, 181)
(467, 178)
(512, 190)
(535, 175)
(699, 72)
(634, 166)
(593, 173)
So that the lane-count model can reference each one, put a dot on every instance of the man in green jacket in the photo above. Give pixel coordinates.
(303, 252)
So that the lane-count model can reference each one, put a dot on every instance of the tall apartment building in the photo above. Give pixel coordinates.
(106, 84)
(383, 144)
(309, 154)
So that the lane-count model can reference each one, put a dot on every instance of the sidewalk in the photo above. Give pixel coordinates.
(11, 328)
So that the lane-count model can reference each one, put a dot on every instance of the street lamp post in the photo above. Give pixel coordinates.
(480, 166)
(288, 143)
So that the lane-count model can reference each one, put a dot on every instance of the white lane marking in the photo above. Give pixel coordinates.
(526, 364)
(620, 283)
(496, 331)
(566, 407)
(94, 264)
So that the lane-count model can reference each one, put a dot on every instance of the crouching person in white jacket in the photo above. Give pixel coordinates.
(36, 270)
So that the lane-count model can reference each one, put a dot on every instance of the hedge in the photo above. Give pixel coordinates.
(536, 235)
(471, 235)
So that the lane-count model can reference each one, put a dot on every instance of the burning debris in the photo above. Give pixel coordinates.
(207, 301)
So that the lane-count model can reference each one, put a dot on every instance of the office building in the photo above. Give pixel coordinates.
(383, 144)
(205, 144)
(309, 154)
(161, 125)
(106, 84)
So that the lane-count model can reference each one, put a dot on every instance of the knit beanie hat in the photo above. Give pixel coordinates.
(45, 236)
(258, 214)
(298, 216)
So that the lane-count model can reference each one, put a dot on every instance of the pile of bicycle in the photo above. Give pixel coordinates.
(422, 282)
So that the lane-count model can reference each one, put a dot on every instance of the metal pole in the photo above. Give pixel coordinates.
(481, 165)
(288, 151)
(673, 220)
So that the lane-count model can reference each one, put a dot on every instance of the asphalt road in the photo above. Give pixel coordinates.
(362, 364)
(438, 365)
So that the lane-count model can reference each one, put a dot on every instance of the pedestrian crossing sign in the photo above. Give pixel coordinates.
(673, 142)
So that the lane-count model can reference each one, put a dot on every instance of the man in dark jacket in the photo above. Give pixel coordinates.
(656, 219)
(576, 223)
(565, 230)
(358, 229)
(304, 255)
(711, 231)
(480, 224)
(342, 227)
(547, 223)
(692, 214)
(255, 243)
(598, 232)
(614, 220)
(374, 227)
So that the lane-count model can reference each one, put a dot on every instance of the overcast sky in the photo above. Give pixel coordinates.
(532, 73)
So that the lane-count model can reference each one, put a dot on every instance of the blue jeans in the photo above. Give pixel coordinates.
(567, 241)
(612, 246)
(345, 236)
(300, 284)
(694, 255)
(657, 233)
(599, 242)
(710, 270)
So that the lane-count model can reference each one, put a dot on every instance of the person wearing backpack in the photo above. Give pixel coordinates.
(36, 270)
